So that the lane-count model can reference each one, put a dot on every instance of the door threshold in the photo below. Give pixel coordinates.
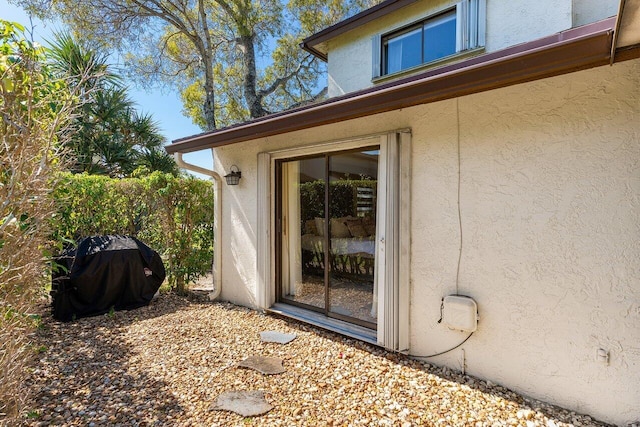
(320, 320)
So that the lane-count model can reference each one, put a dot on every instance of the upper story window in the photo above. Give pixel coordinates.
(432, 39)
(439, 36)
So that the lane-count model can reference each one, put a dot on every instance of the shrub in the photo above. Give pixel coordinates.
(173, 215)
(34, 107)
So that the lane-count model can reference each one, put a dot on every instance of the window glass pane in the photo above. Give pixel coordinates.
(440, 37)
(403, 51)
(303, 259)
(327, 253)
(353, 179)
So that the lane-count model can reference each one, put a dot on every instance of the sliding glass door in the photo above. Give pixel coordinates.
(326, 218)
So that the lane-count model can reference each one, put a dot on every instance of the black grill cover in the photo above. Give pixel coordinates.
(105, 272)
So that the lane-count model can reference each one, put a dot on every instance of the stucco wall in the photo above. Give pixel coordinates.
(550, 208)
(550, 198)
(585, 11)
(508, 23)
(514, 22)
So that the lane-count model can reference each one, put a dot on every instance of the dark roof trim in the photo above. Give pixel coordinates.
(573, 50)
(349, 24)
(315, 52)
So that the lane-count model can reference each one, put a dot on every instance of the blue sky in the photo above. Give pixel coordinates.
(164, 105)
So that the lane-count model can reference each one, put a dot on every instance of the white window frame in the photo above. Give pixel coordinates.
(393, 229)
(470, 34)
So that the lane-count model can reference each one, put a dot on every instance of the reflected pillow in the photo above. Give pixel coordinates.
(310, 227)
(319, 226)
(356, 228)
(369, 224)
(339, 228)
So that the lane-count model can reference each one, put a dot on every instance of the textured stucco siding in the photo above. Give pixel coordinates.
(508, 23)
(586, 11)
(513, 22)
(550, 210)
(238, 225)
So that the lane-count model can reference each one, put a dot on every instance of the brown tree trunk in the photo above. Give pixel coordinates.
(209, 107)
(254, 101)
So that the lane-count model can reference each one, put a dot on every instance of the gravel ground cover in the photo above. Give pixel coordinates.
(165, 364)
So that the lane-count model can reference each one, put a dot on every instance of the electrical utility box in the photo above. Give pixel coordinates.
(460, 312)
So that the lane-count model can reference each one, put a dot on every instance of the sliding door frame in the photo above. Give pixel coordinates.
(279, 247)
(393, 235)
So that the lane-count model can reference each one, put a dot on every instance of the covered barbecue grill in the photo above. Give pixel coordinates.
(104, 273)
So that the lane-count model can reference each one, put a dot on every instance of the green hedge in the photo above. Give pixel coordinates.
(173, 215)
(342, 198)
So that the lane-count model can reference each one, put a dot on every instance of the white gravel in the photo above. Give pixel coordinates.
(166, 364)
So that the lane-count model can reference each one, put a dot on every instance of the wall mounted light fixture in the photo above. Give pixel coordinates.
(233, 177)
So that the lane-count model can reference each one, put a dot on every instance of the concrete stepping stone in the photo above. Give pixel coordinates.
(245, 403)
(262, 364)
(277, 337)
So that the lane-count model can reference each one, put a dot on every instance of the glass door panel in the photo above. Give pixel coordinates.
(303, 227)
(352, 200)
(327, 218)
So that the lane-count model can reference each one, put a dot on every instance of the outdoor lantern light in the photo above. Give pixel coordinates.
(233, 178)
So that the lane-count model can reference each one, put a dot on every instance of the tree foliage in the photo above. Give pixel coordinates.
(35, 106)
(108, 136)
(232, 60)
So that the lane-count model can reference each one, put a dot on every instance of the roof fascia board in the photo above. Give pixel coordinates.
(626, 53)
(315, 52)
(573, 50)
(368, 15)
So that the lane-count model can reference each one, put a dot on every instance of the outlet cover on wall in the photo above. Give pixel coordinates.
(460, 312)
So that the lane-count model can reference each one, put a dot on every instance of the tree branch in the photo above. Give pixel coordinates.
(311, 100)
(281, 81)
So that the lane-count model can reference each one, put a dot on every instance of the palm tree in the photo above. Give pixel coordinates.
(83, 68)
(156, 159)
(143, 133)
(109, 136)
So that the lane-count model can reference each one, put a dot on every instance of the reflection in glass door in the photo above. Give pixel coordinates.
(327, 223)
(302, 261)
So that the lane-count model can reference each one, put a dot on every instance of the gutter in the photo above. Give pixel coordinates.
(217, 221)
